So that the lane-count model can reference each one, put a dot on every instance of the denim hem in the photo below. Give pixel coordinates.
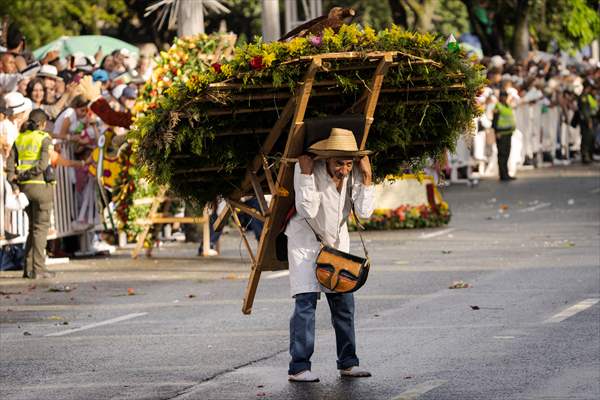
(296, 368)
(353, 362)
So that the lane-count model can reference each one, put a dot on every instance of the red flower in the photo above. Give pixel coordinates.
(256, 62)
(217, 67)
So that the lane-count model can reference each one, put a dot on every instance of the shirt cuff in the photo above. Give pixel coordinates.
(306, 180)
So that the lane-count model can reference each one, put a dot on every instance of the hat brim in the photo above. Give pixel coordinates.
(44, 75)
(340, 153)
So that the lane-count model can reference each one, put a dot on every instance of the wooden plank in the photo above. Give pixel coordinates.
(260, 196)
(222, 219)
(140, 240)
(280, 203)
(170, 220)
(248, 210)
(374, 89)
(206, 232)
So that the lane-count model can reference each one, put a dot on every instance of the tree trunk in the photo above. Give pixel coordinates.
(398, 13)
(423, 11)
(190, 18)
(270, 20)
(520, 45)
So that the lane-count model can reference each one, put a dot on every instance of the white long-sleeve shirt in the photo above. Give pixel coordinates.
(318, 200)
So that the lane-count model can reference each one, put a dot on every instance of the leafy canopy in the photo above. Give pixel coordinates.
(42, 21)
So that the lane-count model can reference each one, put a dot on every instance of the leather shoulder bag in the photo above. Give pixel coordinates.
(339, 271)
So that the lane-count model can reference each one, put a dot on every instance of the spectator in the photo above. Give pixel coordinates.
(49, 74)
(504, 125)
(36, 92)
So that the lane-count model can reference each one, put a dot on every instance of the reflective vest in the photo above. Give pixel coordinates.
(29, 151)
(506, 118)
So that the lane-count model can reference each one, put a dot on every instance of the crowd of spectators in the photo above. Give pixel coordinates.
(555, 101)
(79, 109)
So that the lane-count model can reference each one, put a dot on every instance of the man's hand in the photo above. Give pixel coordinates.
(365, 168)
(306, 164)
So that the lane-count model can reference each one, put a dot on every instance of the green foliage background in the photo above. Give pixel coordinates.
(42, 21)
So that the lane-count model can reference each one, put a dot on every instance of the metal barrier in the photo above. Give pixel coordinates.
(64, 212)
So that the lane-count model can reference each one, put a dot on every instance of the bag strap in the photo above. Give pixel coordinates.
(360, 226)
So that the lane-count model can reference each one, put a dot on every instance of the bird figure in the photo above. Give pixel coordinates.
(337, 17)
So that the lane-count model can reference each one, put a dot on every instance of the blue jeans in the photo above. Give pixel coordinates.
(302, 330)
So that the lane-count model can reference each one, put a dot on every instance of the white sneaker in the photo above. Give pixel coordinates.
(304, 376)
(210, 253)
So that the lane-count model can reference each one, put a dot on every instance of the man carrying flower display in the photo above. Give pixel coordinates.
(323, 202)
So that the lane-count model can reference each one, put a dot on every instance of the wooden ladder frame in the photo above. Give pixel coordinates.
(281, 188)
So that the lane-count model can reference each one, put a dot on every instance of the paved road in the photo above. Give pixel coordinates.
(534, 269)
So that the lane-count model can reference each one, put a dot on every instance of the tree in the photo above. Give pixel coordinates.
(570, 24)
(422, 12)
(520, 45)
(44, 21)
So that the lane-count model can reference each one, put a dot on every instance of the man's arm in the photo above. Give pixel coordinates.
(363, 190)
(306, 196)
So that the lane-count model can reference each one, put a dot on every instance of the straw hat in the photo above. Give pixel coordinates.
(340, 143)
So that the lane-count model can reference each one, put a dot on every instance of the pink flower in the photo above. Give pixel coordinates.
(316, 41)
(256, 62)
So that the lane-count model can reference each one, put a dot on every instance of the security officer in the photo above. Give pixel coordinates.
(504, 124)
(27, 172)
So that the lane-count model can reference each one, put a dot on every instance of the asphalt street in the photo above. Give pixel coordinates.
(527, 327)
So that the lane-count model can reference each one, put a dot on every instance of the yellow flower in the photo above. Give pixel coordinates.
(297, 45)
(268, 59)
(227, 70)
(369, 35)
(414, 212)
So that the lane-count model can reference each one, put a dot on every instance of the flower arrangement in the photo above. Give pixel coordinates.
(199, 134)
(187, 55)
(406, 217)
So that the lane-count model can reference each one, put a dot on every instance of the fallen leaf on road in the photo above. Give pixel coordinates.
(130, 291)
(459, 285)
(446, 251)
(230, 276)
(408, 377)
(26, 333)
(503, 207)
(260, 386)
(261, 394)
(475, 308)
(191, 296)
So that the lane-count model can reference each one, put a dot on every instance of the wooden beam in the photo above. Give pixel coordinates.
(293, 148)
(222, 219)
(254, 213)
(374, 89)
(170, 220)
(260, 195)
(142, 237)
(206, 232)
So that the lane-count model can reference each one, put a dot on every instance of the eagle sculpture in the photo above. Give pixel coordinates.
(337, 17)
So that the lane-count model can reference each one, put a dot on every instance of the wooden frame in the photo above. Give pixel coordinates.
(281, 189)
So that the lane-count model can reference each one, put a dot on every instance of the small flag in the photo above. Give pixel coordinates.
(451, 44)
